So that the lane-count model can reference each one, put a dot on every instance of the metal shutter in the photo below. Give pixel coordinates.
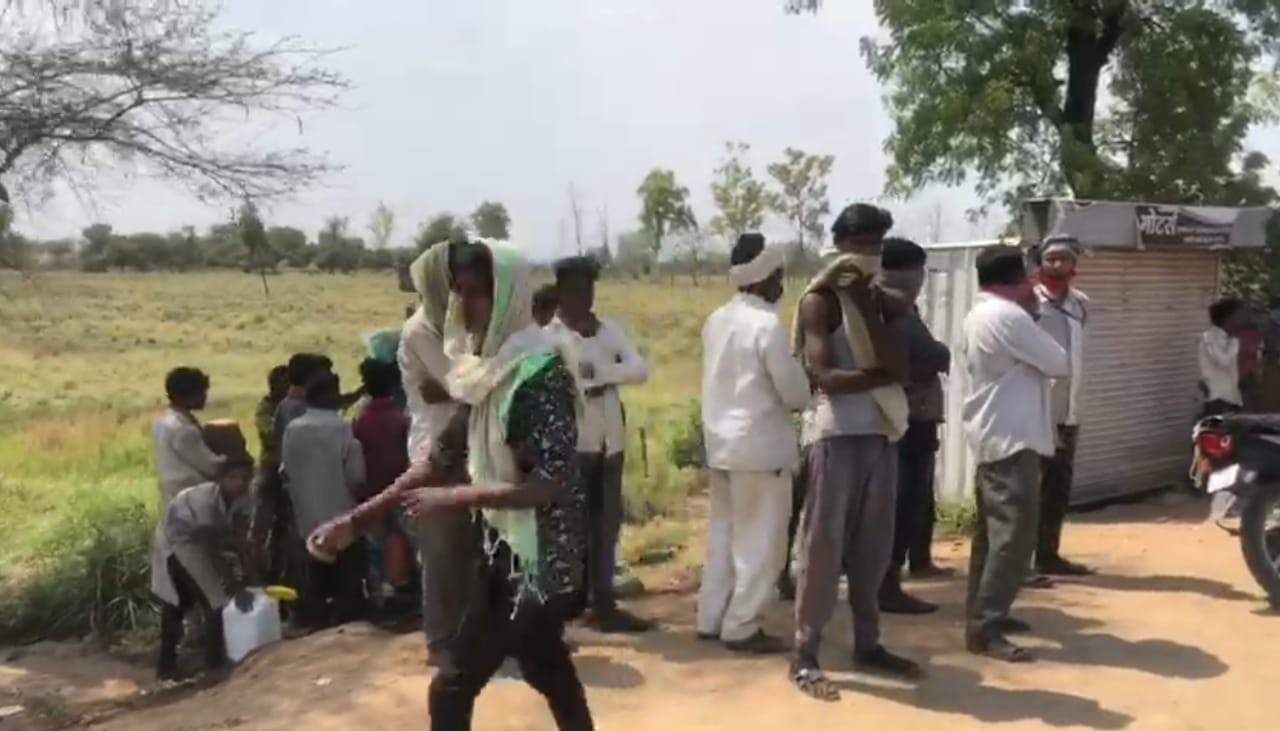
(1146, 313)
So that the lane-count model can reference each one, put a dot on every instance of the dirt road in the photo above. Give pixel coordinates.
(1171, 635)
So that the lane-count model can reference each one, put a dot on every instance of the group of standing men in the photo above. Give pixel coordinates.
(493, 404)
(856, 486)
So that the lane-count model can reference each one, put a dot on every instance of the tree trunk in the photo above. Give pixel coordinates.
(1091, 39)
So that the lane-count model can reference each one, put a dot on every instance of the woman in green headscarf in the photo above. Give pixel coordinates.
(519, 436)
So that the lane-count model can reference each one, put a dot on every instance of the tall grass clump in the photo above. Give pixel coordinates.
(87, 573)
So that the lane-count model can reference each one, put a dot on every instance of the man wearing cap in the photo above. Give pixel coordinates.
(1064, 310)
(751, 384)
(1009, 363)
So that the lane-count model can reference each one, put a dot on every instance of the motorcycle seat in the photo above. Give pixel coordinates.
(1252, 423)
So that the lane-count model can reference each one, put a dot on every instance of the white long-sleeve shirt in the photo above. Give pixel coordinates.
(182, 457)
(421, 356)
(1220, 365)
(750, 385)
(615, 362)
(1009, 363)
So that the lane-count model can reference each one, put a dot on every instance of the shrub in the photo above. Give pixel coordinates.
(685, 446)
(89, 573)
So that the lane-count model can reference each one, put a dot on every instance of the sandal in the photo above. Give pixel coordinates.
(814, 684)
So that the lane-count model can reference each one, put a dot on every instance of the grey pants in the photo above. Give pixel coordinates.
(1007, 493)
(849, 515)
(601, 476)
(449, 547)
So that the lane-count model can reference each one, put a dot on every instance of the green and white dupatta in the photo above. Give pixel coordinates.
(514, 350)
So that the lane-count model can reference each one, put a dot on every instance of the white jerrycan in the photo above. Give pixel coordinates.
(247, 631)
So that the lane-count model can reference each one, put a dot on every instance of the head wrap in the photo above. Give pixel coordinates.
(769, 260)
(430, 276)
(1064, 243)
(514, 350)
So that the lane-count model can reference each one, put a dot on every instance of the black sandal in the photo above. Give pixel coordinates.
(814, 684)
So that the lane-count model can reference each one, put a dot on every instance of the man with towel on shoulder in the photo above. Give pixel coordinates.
(858, 366)
(751, 383)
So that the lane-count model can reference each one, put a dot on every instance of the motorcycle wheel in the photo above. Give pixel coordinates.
(1260, 540)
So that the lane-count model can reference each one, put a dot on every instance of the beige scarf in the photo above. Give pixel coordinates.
(891, 399)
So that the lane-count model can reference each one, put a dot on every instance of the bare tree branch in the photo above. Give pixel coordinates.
(155, 85)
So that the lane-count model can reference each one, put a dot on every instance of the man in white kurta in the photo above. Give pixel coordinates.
(750, 385)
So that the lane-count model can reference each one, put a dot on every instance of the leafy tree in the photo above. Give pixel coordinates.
(801, 195)
(441, 227)
(146, 84)
(290, 245)
(94, 254)
(635, 254)
(13, 248)
(335, 251)
(664, 208)
(1104, 99)
(257, 247)
(382, 224)
(740, 198)
(491, 220)
(184, 250)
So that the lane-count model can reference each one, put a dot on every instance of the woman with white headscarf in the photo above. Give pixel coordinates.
(519, 434)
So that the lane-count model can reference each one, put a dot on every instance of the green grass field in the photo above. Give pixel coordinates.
(83, 359)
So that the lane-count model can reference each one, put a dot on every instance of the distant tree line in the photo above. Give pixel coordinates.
(245, 242)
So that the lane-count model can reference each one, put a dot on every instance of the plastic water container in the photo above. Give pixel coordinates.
(247, 631)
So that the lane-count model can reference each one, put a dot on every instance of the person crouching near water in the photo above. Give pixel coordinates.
(751, 383)
(190, 568)
(858, 365)
(518, 433)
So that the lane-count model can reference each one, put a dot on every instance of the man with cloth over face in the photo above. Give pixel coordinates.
(1064, 311)
(858, 365)
(903, 273)
(750, 385)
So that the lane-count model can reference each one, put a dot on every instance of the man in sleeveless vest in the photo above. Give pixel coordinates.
(858, 365)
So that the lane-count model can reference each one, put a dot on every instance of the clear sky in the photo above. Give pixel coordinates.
(514, 100)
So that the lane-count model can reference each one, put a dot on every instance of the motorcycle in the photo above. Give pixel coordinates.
(1237, 457)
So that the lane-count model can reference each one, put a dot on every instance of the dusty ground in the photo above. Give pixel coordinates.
(1170, 636)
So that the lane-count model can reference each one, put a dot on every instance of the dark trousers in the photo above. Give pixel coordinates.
(1058, 472)
(914, 516)
(335, 592)
(1007, 493)
(272, 527)
(490, 634)
(602, 480)
(189, 597)
(799, 489)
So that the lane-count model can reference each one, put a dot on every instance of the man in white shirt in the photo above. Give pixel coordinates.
(751, 383)
(1220, 358)
(606, 360)
(1064, 310)
(1008, 363)
(182, 457)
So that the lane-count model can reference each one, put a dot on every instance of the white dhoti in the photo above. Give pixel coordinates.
(746, 548)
